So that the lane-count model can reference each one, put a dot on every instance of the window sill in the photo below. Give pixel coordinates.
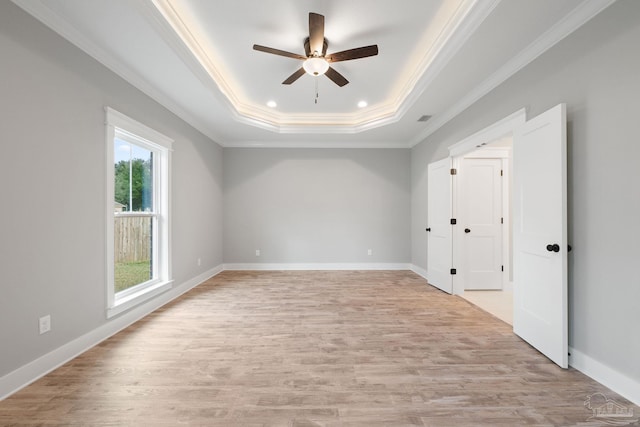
(133, 300)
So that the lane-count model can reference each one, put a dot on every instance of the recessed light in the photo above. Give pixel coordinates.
(272, 104)
(362, 104)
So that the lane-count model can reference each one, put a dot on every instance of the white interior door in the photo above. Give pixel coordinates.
(439, 254)
(480, 222)
(540, 234)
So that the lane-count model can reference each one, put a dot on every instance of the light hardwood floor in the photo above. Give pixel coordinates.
(306, 349)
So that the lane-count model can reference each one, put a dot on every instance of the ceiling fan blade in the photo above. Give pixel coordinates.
(278, 52)
(293, 77)
(316, 33)
(336, 77)
(359, 52)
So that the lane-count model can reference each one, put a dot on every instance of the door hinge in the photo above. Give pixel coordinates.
(502, 268)
(502, 220)
(453, 221)
(454, 171)
(453, 271)
(501, 172)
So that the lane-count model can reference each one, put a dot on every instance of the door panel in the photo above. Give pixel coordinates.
(540, 219)
(481, 211)
(439, 215)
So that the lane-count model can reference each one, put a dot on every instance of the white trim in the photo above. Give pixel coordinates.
(109, 174)
(123, 304)
(314, 144)
(489, 134)
(26, 374)
(119, 125)
(571, 22)
(485, 152)
(461, 24)
(609, 377)
(448, 43)
(507, 284)
(137, 130)
(41, 11)
(316, 266)
(32, 371)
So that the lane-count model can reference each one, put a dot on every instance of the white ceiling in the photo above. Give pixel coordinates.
(195, 57)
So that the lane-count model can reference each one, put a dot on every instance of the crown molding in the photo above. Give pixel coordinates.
(317, 144)
(39, 10)
(463, 22)
(571, 22)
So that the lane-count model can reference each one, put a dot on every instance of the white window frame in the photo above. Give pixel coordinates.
(125, 128)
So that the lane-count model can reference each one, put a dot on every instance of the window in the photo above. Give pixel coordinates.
(138, 223)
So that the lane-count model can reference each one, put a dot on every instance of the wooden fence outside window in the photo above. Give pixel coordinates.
(132, 238)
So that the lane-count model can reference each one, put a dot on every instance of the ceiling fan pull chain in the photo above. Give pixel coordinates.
(316, 100)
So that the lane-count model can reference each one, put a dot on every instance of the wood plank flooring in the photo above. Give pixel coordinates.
(304, 349)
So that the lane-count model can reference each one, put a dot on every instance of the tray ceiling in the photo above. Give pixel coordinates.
(195, 57)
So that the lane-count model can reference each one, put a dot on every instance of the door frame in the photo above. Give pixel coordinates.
(500, 129)
(484, 152)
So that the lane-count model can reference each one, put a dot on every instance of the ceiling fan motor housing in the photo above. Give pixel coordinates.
(307, 48)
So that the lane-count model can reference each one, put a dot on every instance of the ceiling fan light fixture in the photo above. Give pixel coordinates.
(316, 66)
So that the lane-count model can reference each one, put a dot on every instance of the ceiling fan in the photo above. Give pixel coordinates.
(316, 62)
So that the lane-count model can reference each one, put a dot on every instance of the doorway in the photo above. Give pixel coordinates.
(540, 309)
(493, 142)
(483, 202)
(483, 206)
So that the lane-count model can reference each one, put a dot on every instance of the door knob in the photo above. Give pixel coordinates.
(553, 248)
(428, 229)
(466, 230)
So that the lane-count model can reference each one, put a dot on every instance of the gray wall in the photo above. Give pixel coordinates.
(596, 71)
(316, 206)
(52, 187)
(297, 205)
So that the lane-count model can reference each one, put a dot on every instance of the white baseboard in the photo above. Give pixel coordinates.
(26, 374)
(317, 266)
(609, 377)
(419, 271)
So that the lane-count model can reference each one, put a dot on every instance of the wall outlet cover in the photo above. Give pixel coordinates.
(44, 324)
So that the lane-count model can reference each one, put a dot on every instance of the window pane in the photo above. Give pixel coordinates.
(133, 177)
(132, 251)
(133, 236)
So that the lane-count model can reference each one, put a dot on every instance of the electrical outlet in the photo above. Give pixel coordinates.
(199, 262)
(44, 324)
(257, 252)
(369, 252)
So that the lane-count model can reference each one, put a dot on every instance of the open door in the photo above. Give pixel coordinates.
(439, 254)
(540, 234)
